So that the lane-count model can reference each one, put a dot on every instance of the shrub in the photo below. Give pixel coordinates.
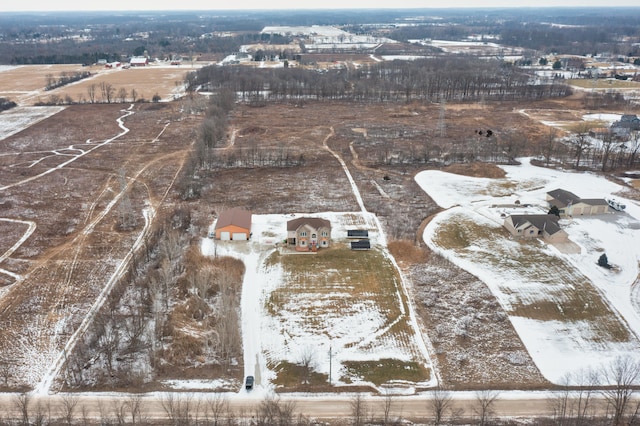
(603, 261)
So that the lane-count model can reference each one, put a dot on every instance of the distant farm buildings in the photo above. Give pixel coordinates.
(233, 224)
(139, 61)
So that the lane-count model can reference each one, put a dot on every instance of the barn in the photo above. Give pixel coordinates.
(139, 61)
(233, 224)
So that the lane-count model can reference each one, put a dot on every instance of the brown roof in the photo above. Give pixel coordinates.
(314, 222)
(238, 217)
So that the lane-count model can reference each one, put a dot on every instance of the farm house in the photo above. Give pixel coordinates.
(309, 233)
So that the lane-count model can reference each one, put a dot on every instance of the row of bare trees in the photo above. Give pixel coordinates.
(608, 397)
(582, 402)
(64, 78)
(105, 93)
(451, 78)
(582, 151)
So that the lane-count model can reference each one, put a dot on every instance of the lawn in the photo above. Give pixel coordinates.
(353, 300)
(532, 282)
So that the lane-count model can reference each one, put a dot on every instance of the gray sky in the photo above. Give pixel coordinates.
(77, 5)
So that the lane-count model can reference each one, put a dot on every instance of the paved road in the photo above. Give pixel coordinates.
(508, 404)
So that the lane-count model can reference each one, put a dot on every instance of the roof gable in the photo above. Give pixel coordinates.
(314, 222)
(564, 197)
(545, 222)
(238, 217)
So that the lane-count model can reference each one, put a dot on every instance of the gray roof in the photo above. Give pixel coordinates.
(564, 197)
(546, 222)
(314, 222)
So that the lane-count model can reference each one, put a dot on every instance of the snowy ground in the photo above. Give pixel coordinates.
(20, 118)
(268, 339)
(558, 348)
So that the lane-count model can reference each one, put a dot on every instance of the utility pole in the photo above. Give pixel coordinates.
(442, 126)
(330, 356)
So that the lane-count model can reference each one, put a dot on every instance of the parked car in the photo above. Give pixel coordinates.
(248, 383)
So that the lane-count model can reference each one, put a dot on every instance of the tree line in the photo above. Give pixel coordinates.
(461, 79)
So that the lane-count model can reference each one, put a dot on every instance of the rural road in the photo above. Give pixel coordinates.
(513, 404)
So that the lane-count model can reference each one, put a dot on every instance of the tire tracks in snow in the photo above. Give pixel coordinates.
(408, 311)
(44, 387)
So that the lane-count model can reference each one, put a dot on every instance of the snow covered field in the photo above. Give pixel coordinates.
(20, 118)
(348, 329)
(577, 338)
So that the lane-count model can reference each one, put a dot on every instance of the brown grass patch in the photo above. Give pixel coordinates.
(476, 170)
(407, 251)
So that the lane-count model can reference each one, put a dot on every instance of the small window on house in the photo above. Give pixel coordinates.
(325, 234)
(303, 243)
(324, 243)
(303, 234)
(314, 236)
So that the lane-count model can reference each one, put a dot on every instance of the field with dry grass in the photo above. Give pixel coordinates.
(78, 174)
(26, 84)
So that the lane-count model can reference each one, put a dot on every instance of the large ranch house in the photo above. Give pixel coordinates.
(543, 226)
(309, 233)
(569, 204)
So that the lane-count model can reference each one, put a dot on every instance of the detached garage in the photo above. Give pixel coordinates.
(234, 224)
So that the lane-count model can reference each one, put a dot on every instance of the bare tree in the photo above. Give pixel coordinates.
(621, 375)
(218, 406)
(358, 410)
(6, 370)
(134, 404)
(86, 418)
(120, 411)
(107, 91)
(388, 402)
(178, 408)
(580, 143)
(607, 148)
(122, 95)
(22, 403)
(68, 408)
(306, 360)
(439, 402)
(485, 399)
(91, 92)
(549, 144)
(634, 148)
(134, 95)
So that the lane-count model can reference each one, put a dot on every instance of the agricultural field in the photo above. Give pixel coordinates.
(26, 84)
